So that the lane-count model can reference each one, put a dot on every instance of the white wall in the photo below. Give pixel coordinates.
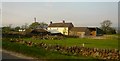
(60, 29)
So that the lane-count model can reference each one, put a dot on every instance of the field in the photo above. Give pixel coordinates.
(92, 43)
(37, 52)
(108, 43)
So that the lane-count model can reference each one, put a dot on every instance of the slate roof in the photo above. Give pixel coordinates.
(60, 25)
(82, 29)
(38, 30)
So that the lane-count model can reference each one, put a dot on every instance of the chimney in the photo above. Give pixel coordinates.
(50, 22)
(63, 20)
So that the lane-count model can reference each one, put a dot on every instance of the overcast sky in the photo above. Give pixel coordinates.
(60, 0)
(79, 13)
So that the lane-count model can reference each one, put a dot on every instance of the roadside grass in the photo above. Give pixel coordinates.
(37, 52)
(91, 43)
(44, 54)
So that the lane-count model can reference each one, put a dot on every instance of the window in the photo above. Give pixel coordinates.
(64, 31)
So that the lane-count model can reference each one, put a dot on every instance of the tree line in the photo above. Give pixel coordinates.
(105, 26)
(34, 25)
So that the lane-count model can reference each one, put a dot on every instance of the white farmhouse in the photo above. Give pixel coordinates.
(61, 27)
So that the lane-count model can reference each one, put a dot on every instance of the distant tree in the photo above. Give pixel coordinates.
(6, 29)
(112, 31)
(38, 25)
(34, 25)
(25, 26)
(106, 27)
(17, 28)
(43, 25)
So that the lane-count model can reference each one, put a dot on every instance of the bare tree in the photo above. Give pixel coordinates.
(106, 27)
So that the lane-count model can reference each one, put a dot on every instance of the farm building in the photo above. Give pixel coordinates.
(40, 32)
(61, 27)
(95, 31)
(85, 31)
(79, 31)
(54, 32)
(70, 30)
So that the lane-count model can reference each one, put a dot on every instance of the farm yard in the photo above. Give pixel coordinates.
(60, 31)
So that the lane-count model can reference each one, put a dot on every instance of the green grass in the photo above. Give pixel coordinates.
(41, 53)
(37, 52)
(97, 43)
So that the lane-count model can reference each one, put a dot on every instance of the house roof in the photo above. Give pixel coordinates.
(60, 25)
(82, 29)
(38, 30)
(92, 28)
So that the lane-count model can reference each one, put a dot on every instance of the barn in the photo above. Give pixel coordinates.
(85, 31)
(40, 32)
(69, 29)
(95, 31)
(79, 31)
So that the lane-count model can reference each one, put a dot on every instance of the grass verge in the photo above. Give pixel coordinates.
(37, 52)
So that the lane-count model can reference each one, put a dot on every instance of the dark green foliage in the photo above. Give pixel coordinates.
(42, 24)
(37, 25)
(9, 29)
(17, 28)
(34, 25)
(6, 29)
(106, 27)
